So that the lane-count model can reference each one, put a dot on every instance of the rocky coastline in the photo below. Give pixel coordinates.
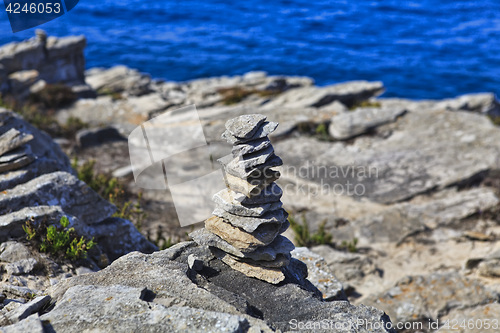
(407, 190)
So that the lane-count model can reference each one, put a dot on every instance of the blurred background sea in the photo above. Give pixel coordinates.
(419, 49)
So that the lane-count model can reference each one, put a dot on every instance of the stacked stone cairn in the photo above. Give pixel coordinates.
(247, 223)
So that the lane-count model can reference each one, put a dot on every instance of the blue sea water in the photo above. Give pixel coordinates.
(419, 49)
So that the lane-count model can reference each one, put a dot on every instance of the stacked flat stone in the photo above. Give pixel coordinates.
(14, 153)
(247, 223)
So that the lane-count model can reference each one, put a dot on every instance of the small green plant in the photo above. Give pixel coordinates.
(322, 132)
(366, 104)
(310, 128)
(350, 246)
(58, 240)
(303, 236)
(53, 96)
(234, 95)
(111, 189)
(3, 104)
(109, 92)
(495, 120)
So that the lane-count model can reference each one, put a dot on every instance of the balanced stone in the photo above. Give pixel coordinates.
(223, 200)
(268, 274)
(271, 193)
(251, 147)
(240, 239)
(280, 261)
(239, 169)
(250, 224)
(280, 245)
(250, 161)
(262, 131)
(245, 126)
(251, 186)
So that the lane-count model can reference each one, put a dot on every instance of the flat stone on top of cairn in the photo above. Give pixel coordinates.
(245, 229)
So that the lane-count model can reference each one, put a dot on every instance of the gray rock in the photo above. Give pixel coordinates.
(15, 154)
(349, 124)
(225, 201)
(251, 186)
(157, 272)
(348, 93)
(480, 103)
(17, 163)
(282, 260)
(117, 237)
(21, 267)
(240, 239)
(397, 222)
(37, 192)
(93, 137)
(217, 289)
(58, 60)
(251, 161)
(12, 251)
(264, 130)
(320, 274)
(244, 127)
(195, 263)
(396, 168)
(271, 193)
(49, 156)
(247, 170)
(58, 189)
(281, 245)
(120, 308)
(28, 309)
(417, 298)
(251, 147)
(349, 268)
(476, 319)
(119, 79)
(20, 83)
(13, 139)
(22, 292)
(489, 268)
(11, 224)
(250, 224)
(32, 324)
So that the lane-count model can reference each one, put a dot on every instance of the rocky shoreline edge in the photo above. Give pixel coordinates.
(426, 224)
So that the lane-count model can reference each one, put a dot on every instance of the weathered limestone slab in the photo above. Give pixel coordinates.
(271, 193)
(268, 274)
(264, 130)
(281, 245)
(244, 127)
(13, 139)
(251, 186)
(240, 169)
(240, 239)
(251, 147)
(349, 124)
(226, 202)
